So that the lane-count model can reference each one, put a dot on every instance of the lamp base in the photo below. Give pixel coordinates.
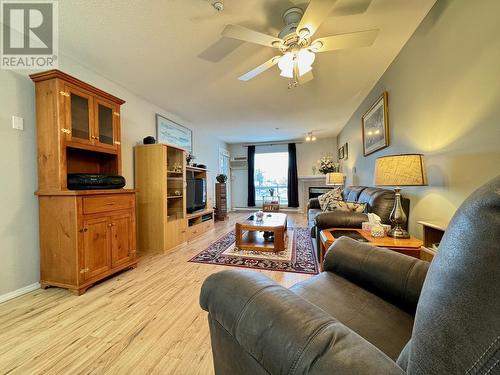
(398, 232)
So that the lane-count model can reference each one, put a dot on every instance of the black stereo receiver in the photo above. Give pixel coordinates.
(88, 181)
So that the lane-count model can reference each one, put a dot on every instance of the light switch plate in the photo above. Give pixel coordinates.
(17, 123)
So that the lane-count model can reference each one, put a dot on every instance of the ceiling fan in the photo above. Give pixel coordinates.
(298, 49)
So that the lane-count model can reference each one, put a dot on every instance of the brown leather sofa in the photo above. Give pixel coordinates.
(372, 311)
(379, 201)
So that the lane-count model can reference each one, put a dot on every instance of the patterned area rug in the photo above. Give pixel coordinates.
(298, 257)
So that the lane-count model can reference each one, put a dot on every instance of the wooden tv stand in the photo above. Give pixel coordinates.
(200, 222)
(160, 177)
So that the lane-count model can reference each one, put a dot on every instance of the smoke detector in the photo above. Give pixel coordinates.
(218, 6)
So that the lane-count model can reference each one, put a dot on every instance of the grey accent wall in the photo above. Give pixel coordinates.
(444, 102)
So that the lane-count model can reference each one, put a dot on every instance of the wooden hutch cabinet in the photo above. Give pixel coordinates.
(85, 235)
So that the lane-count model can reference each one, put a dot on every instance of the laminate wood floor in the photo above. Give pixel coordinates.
(142, 321)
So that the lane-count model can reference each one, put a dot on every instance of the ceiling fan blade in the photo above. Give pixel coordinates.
(314, 15)
(304, 78)
(220, 49)
(343, 41)
(348, 8)
(251, 36)
(260, 69)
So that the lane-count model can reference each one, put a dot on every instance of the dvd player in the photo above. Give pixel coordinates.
(89, 181)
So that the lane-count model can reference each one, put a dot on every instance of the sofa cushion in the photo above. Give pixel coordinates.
(384, 325)
(328, 200)
(379, 201)
(351, 193)
(351, 206)
(340, 219)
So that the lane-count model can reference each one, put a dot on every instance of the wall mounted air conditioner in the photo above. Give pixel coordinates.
(238, 162)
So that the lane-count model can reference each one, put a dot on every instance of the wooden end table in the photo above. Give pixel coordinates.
(249, 233)
(408, 246)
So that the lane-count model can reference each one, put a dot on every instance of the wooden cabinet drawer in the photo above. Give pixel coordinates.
(200, 229)
(105, 203)
(194, 231)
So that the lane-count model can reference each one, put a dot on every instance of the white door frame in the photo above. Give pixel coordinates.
(223, 153)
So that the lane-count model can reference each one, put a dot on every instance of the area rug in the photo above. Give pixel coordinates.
(298, 256)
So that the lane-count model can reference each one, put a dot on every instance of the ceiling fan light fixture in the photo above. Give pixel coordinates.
(286, 65)
(305, 59)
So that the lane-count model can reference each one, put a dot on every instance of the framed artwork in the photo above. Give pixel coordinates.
(172, 133)
(375, 126)
(341, 153)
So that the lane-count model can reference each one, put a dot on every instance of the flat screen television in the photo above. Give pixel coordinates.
(196, 194)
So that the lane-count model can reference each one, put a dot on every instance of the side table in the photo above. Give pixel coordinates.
(408, 246)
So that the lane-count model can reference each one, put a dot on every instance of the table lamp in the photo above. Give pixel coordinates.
(334, 178)
(399, 170)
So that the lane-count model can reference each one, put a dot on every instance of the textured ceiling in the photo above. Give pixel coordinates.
(153, 48)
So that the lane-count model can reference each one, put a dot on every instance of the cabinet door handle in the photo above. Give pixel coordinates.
(84, 270)
(63, 93)
(116, 114)
(83, 230)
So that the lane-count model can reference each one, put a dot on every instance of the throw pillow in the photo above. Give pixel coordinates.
(327, 200)
(351, 206)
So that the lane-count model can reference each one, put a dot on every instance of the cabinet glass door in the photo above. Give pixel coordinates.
(105, 123)
(80, 110)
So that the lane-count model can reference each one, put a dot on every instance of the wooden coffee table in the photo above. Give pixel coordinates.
(409, 246)
(250, 233)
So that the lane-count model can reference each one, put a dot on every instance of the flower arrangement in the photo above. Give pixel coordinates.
(327, 165)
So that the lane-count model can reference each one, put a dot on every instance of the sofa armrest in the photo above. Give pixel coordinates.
(314, 203)
(280, 332)
(340, 219)
(395, 277)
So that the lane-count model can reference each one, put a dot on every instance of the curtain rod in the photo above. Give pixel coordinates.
(272, 143)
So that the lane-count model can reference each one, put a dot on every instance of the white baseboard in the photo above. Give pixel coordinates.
(19, 292)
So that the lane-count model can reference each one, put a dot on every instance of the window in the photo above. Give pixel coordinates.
(271, 172)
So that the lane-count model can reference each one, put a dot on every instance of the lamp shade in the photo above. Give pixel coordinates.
(400, 170)
(335, 178)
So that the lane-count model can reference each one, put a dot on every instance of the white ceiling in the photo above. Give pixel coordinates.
(152, 48)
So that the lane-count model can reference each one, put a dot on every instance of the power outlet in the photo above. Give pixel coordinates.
(17, 123)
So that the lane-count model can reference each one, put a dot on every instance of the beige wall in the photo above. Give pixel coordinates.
(19, 266)
(444, 102)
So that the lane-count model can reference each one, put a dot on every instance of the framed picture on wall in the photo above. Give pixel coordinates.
(341, 153)
(375, 126)
(346, 151)
(172, 133)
